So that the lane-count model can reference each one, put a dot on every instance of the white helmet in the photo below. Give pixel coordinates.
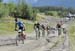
(19, 30)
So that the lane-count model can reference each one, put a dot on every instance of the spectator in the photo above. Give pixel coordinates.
(48, 29)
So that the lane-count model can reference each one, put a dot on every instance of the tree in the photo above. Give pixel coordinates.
(24, 10)
(11, 7)
(35, 11)
(3, 10)
(29, 12)
(1, 0)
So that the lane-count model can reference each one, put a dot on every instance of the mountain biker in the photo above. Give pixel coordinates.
(37, 29)
(48, 29)
(58, 26)
(43, 30)
(64, 26)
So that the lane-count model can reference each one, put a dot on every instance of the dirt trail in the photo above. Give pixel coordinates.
(29, 45)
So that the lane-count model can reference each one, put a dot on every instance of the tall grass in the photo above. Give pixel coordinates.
(72, 37)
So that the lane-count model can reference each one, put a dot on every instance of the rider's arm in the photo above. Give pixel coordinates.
(34, 26)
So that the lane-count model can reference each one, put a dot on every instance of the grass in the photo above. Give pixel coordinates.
(7, 26)
(55, 13)
(29, 28)
(40, 17)
(72, 37)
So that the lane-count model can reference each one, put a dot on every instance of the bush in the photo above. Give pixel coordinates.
(72, 29)
(48, 13)
(3, 12)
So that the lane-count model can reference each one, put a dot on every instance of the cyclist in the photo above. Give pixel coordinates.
(58, 26)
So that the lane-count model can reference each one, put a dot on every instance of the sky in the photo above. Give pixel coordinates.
(62, 3)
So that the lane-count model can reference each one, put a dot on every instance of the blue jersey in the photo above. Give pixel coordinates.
(20, 24)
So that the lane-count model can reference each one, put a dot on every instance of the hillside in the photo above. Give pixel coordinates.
(7, 25)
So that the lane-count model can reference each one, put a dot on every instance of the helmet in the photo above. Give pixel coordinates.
(19, 31)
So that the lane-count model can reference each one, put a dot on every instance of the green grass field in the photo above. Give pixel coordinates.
(72, 37)
(7, 26)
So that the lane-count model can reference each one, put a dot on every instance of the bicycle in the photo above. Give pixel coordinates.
(20, 37)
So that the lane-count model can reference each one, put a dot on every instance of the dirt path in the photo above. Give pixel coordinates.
(30, 45)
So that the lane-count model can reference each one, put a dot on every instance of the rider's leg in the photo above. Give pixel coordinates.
(43, 33)
(64, 31)
(15, 26)
(23, 41)
(39, 33)
(16, 42)
(59, 31)
(36, 34)
(47, 32)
